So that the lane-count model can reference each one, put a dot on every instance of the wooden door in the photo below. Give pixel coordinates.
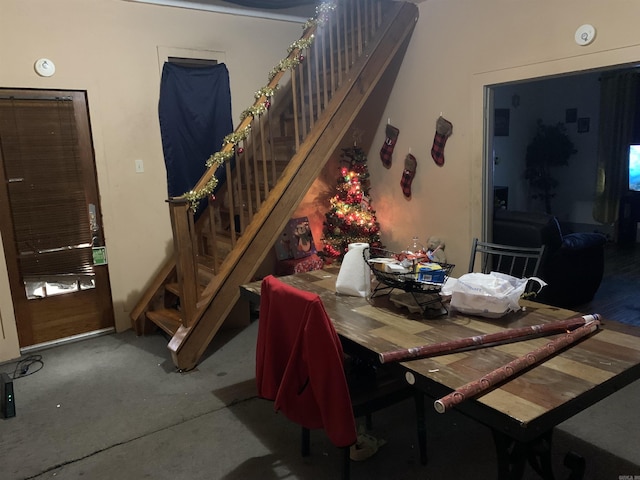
(50, 216)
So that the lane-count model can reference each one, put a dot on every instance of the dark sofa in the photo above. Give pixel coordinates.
(572, 264)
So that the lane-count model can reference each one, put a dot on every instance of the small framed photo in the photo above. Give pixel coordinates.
(571, 115)
(583, 125)
(501, 122)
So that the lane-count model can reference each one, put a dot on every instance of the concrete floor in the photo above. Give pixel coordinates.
(113, 407)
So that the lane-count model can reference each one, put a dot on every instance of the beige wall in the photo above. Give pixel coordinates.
(109, 48)
(458, 47)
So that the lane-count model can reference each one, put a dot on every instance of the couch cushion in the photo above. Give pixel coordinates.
(579, 241)
(572, 266)
(526, 229)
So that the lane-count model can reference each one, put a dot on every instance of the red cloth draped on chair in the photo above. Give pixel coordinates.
(299, 362)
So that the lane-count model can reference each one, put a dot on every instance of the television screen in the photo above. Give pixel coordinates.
(634, 168)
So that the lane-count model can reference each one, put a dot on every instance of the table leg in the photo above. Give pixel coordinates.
(422, 426)
(513, 456)
(539, 455)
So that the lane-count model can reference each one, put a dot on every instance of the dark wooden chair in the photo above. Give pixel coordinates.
(519, 262)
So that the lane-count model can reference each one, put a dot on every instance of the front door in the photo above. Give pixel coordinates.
(50, 217)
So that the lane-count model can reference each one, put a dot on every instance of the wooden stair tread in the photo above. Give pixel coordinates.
(276, 160)
(174, 287)
(168, 319)
(284, 139)
(205, 275)
(223, 237)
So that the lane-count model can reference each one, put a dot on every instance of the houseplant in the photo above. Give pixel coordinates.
(550, 147)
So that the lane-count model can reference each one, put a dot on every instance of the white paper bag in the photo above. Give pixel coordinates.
(354, 277)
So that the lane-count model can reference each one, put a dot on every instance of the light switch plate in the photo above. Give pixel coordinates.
(139, 166)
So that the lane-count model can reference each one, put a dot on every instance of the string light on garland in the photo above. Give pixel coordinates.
(322, 15)
(237, 137)
(283, 65)
(267, 92)
(301, 44)
(218, 158)
(254, 111)
(195, 196)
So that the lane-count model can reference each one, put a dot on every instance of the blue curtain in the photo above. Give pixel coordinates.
(195, 116)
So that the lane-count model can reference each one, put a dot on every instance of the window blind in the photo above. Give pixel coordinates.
(46, 186)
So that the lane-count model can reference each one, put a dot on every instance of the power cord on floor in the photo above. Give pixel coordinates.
(28, 366)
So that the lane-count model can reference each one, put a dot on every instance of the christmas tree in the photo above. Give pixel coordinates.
(351, 218)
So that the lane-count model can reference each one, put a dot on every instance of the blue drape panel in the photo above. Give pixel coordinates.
(195, 116)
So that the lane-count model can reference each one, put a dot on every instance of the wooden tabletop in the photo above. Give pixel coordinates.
(523, 407)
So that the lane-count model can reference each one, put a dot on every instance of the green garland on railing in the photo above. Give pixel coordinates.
(259, 107)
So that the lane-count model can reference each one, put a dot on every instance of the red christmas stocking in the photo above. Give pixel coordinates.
(386, 151)
(408, 173)
(443, 130)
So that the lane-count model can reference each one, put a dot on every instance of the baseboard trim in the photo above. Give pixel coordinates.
(63, 341)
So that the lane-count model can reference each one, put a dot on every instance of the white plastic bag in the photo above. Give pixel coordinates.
(490, 295)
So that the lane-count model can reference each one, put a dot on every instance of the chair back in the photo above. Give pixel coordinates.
(519, 262)
(299, 361)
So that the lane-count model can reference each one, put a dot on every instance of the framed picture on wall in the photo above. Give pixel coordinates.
(571, 115)
(583, 125)
(296, 240)
(501, 122)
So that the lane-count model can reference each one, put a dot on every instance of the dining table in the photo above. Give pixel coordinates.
(522, 406)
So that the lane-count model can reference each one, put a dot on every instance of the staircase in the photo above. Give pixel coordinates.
(336, 77)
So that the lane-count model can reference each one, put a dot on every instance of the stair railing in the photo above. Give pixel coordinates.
(270, 132)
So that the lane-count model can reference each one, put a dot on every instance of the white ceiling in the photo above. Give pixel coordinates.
(296, 14)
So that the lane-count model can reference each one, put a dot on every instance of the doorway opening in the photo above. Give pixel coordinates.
(574, 100)
(514, 109)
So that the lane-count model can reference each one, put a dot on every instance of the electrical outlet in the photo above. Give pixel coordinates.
(139, 166)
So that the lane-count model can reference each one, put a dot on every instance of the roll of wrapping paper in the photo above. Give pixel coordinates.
(504, 336)
(491, 379)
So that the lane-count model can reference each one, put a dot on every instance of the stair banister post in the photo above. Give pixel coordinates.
(185, 257)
